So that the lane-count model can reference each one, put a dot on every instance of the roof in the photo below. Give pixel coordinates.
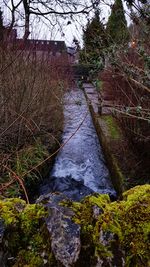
(10, 36)
(41, 45)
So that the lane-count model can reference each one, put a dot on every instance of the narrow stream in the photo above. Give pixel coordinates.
(79, 167)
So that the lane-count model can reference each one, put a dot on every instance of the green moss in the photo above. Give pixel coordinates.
(14, 209)
(29, 259)
(99, 200)
(112, 142)
(26, 235)
(124, 225)
(129, 221)
(83, 211)
(30, 217)
(9, 209)
(113, 128)
(98, 84)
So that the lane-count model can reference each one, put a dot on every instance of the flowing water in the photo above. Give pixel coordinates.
(79, 167)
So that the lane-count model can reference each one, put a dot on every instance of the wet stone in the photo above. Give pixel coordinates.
(65, 234)
(74, 190)
(3, 253)
(2, 230)
(108, 239)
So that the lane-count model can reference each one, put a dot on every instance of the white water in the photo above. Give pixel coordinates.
(82, 157)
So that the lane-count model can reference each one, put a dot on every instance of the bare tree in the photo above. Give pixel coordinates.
(51, 10)
(142, 7)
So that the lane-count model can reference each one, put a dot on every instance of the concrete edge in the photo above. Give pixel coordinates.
(116, 173)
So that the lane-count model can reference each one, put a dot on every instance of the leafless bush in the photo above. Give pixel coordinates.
(126, 84)
(31, 108)
(31, 94)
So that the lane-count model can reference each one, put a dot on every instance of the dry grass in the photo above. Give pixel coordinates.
(31, 106)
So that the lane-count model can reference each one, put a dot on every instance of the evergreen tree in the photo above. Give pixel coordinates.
(117, 30)
(94, 39)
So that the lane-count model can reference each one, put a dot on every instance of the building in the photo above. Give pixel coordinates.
(41, 49)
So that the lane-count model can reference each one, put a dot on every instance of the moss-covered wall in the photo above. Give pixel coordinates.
(120, 153)
(112, 233)
(110, 137)
(118, 234)
(25, 240)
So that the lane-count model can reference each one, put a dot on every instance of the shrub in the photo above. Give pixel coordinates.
(31, 105)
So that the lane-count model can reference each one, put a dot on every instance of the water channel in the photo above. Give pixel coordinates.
(79, 167)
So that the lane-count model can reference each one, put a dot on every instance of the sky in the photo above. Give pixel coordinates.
(40, 30)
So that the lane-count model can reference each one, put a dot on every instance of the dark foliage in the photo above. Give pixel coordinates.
(94, 38)
(117, 26)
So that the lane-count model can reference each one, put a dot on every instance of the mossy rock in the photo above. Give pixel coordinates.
(25, 240)
(112, 233)
(120, 234)
(129, 223)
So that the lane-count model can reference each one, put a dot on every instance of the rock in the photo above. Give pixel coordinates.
(115, 234)
(96, 212)
(75, 190)
(116, 258)
(65, 234)
(94, 232)
(2, 230)
(2, 259)
(2, 253)
(124, 230)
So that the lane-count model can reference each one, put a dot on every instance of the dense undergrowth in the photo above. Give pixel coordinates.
(31, 116)
(126, 86)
